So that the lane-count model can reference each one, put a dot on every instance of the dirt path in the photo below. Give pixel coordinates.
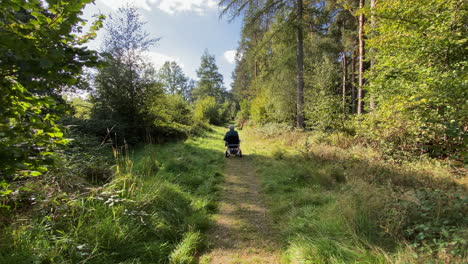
(243, 231)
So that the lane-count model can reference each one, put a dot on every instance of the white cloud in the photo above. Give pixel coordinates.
(230, 56)
(158, 59)
(175, 6)
(168, 6)
(114, 4)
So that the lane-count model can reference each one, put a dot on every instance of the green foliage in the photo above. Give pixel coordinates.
(227, 112)
(274, 129)
(323, 107)
(207, 110)
(169, 115)
(414, 71)
(174, 80)
(41, 57)
(258, 109)
(28, 132)
(419, 74)
(437, 223)
(266, 73)
(126, 80)
(210, 81)
(243, 115)
(82, 107)
(38, 45)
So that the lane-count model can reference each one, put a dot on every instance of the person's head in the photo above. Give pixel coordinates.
(231, 127)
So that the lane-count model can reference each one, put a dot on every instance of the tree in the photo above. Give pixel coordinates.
(236, 7)
(187, 90)
(41, 57)
(300, 66)
(373, 25)
(210, 81)
(173, 78)
(418, 76)
(126, 79)
(362, 53)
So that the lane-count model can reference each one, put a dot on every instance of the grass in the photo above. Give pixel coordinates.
(334, 202)
(154, 209)
(350, 205)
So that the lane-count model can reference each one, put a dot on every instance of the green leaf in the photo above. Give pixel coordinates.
(35, 173)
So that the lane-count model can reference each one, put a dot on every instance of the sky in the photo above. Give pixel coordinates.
(186, 29)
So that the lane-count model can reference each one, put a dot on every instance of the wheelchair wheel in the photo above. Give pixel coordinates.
(226, 154)
(240, 154)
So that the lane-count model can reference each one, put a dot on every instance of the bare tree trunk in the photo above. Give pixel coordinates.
(300, 67)
(361, 59)
(255, 57)
(372, 4)
(345, 80)
(353, 81)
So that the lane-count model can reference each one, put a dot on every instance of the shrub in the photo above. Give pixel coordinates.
(243, 115)
(436, 222)
(206, 110)
(168, 116)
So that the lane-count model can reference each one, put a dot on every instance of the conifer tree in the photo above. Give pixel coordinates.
(210, 81)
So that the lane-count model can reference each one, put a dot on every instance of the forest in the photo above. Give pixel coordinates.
(353, 116)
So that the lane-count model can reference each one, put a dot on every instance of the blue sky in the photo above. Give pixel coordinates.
(186, 28)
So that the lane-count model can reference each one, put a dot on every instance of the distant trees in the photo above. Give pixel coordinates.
(139, 102)
(357, 60)
(213, 104)
(174, 80)
(258, 12)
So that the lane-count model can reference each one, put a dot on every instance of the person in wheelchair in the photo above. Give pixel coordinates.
(232, 142)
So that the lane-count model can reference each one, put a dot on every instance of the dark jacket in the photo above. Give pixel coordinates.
(232, 137)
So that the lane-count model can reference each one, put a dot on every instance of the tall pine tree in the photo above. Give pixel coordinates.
(210, 81)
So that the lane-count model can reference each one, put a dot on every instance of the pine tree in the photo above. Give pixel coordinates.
(210, 81)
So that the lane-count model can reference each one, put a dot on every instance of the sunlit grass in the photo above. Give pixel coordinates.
(344, 205)
(154, 210)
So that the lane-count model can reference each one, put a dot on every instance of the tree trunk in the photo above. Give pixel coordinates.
(345, 73)
(372, 4)
(361, 59)
(353, 81)
(300, 67)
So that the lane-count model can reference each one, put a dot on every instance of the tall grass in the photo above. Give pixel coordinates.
(153, 210)
(348, 204)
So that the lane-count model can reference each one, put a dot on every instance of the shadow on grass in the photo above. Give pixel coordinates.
(146, 214)
(332, 208)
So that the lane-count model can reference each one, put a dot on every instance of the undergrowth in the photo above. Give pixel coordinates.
(152, 206)
(349, 204)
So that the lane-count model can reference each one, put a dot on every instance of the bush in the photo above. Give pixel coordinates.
(436, 222)
(206, 110)
(274, 129)
(243, 115)
(168, 116)
(258, 110)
